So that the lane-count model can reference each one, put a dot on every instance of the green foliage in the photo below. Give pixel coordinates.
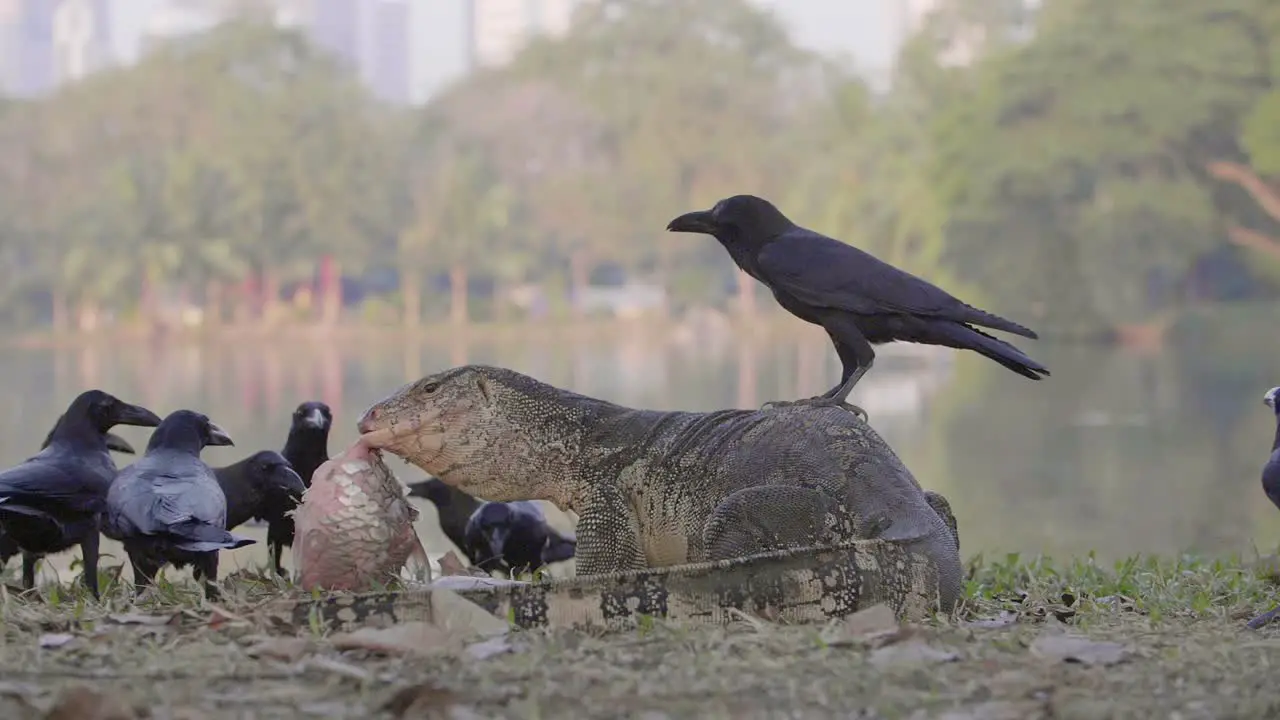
(1159, 587)
(1050, 164)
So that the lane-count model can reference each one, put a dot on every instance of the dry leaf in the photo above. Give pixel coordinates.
(139, 619)
(486, 649)
(55, 640)
(911, 652)
(1003, 619)
(82, 703)
(286, 649)
(472, 582)
(874, 625)
(339, 668)
(462, 618)
(1073, 648)
(402, 639)
(454, 621)
(421, 701)
(451, 565)
(220, 616)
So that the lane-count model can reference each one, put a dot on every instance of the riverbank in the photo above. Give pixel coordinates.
(1143, 638)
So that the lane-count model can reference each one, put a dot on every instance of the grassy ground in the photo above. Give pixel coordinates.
(1164, 638)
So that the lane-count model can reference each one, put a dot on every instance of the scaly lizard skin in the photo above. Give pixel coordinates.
(793, 586)
(656, 489)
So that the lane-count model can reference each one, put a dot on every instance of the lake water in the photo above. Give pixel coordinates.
(1116, 453)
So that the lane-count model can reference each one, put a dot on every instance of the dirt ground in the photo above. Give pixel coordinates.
(1176, 647)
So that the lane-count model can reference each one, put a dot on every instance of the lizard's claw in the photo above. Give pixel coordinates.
(818, 401)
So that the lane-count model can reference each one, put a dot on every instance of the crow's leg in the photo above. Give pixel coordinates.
(856, 357)
(144, 572)
(29, 561)
(89, 557)
(205, 569)
(277, 551)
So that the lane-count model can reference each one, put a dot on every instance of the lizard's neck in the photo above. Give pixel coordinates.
(550, 444)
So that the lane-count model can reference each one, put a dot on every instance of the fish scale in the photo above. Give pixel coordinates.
(354, 526)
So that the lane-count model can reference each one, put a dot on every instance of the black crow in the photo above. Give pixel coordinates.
(454, 509)
(260, 486)
(514, 536)
(167, 507)
(9, 548)
(114, 442)
(859, 300)
(306, 449)
(1271, 485)
(55, 499)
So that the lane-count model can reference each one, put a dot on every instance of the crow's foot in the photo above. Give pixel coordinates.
(819, 401)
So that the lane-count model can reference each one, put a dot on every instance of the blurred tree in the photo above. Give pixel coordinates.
(696, 102)
(1097, 131)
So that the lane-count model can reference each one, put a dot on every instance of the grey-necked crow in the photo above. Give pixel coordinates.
(167, 507)
(514, 536)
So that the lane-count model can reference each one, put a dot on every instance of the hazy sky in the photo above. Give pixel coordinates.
(862, 30)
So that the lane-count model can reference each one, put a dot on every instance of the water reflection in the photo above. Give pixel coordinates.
(1116, 452)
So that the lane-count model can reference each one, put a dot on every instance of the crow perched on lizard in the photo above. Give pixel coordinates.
(859, 300)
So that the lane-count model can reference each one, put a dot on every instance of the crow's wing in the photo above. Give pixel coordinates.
(527, 508)
(825, 272)
(156, 496)
(47, 485)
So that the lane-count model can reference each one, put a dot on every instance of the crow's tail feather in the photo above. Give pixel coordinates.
(965, 337)
(195, 536)
(985, 319)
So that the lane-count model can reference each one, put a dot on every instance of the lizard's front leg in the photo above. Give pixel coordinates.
(608, 535)
(771, 517)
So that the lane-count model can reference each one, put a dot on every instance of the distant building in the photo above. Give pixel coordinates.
(338, 26)
(8, 45)
(44, 43)
(371, 37)
(499, 29)
(388, 66)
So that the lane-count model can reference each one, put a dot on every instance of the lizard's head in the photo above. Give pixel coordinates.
(470, 426)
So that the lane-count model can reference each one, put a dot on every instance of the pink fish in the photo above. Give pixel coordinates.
(354, 526)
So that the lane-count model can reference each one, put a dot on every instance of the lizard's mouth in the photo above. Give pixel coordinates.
(418, 440)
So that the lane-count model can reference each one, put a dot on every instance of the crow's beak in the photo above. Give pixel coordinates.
(136, 415)
(119, 444)
(698, 221)
(218, 436)
(314, 419)
(497, 540)
(286, 479)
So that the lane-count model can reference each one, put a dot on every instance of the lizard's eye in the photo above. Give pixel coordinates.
(430, 387)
